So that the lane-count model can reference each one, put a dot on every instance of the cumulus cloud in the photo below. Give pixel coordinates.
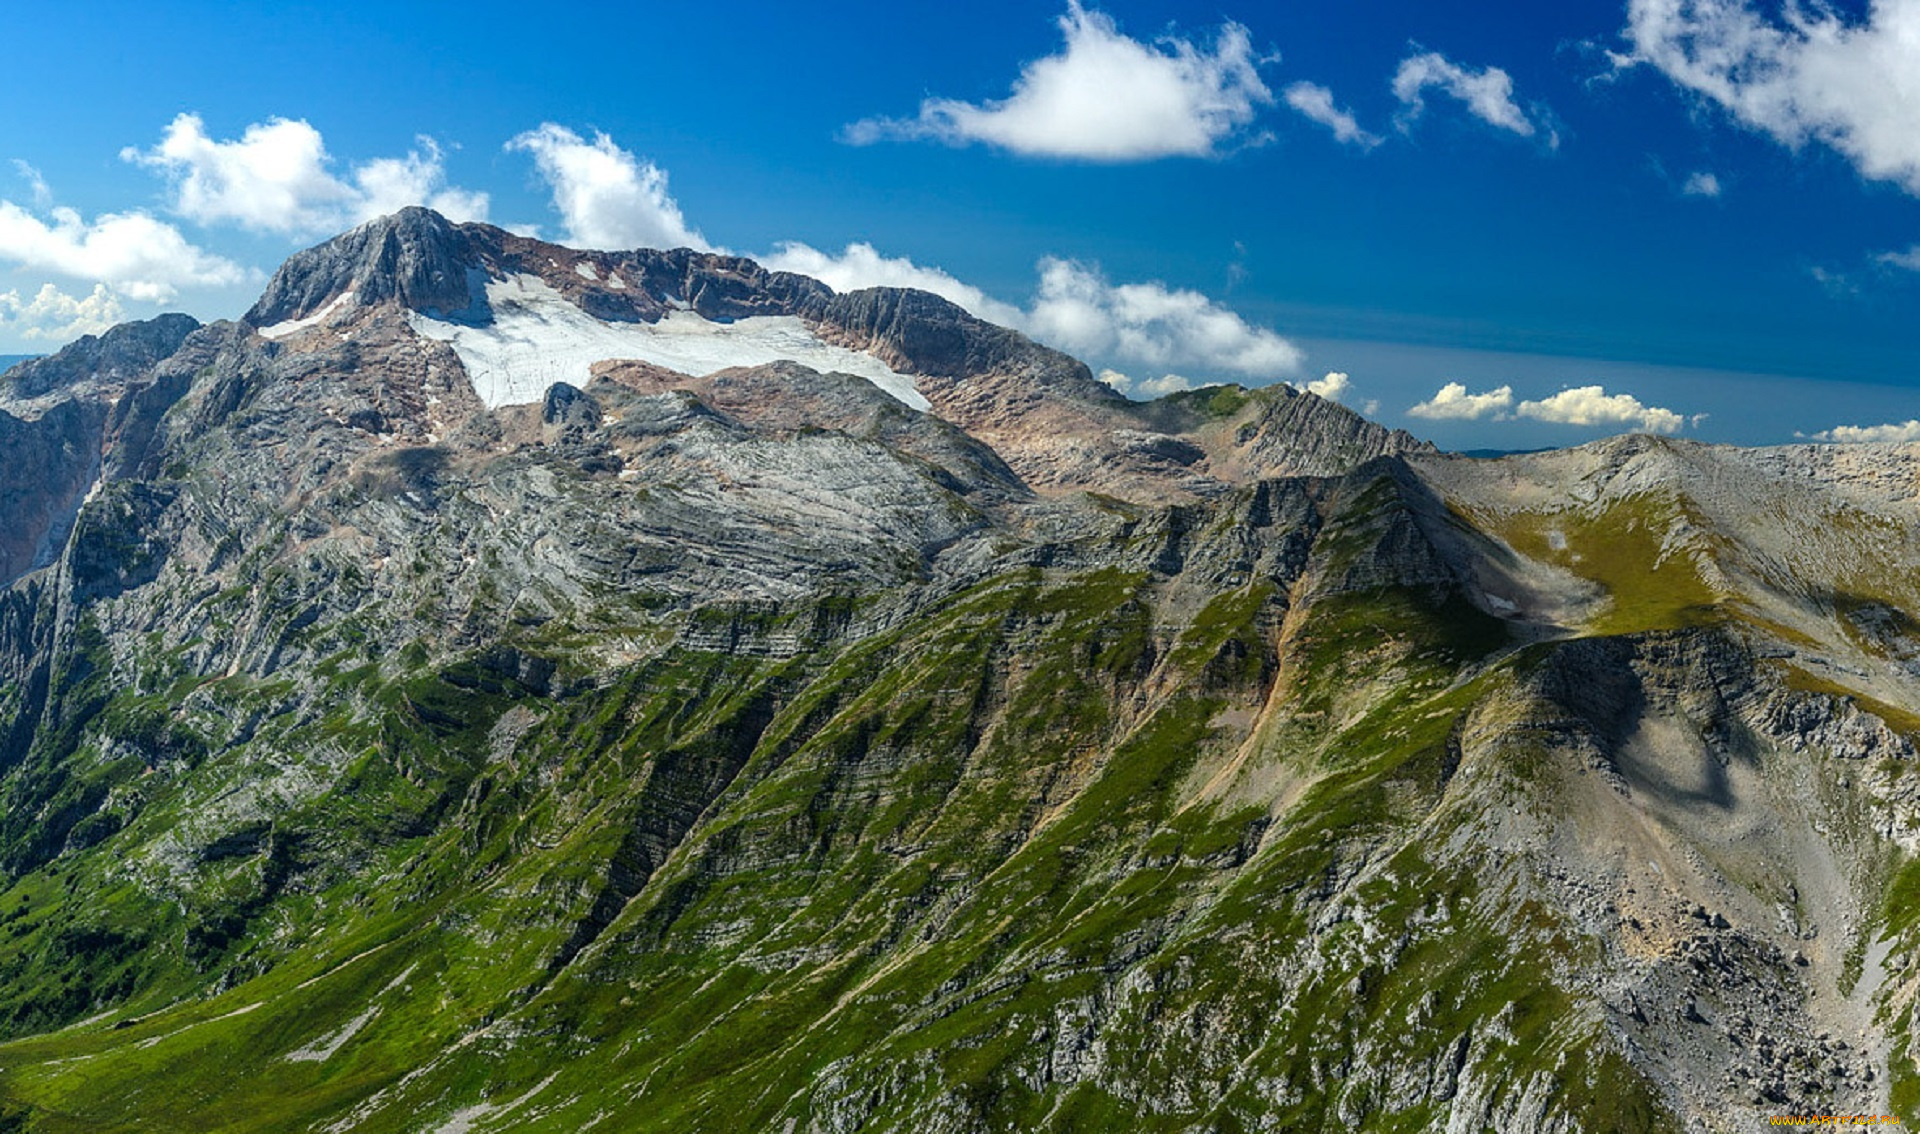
(1811, 73)
(387, 185)
(54, 315)
(1316, 102)
(1334, 387)
(1075, 308)
(138, 256)
(861, 265)
(607, 197)
(1487, 93)
(1149, 387)
(1907, 431)
(1700, 185)
(1105, 97)
(275, 178)
(1452, 403)
(1592, 405)
(1150, 325)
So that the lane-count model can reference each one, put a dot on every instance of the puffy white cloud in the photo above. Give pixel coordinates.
(275, 178)
(1076, 309)
(1592, 405)
(54, 315)
(1701, 185)
(1105, 97)
(1488, 93)
(1168, 384)
(1452, 403)
(1907, 431)
(861, 265)
(1334, 387)
(1810, 73)
(607, 197)
(388, 185)
(1149, 387)
(1150, 324)
(138, 256)
(1582, 405)
(1316, 102)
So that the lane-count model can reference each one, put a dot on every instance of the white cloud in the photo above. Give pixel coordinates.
(275, 178)
(607, 197)
(1488, 93)
(1908, 431)
(54, 315)
(1701, 185)
(1334, 387)
(36, 184)
(138, 256)
(1168, 384)
(1316, 102)
(1150, 324)
(1076, 309)
(1452, 403)
(1910, 259)
(1810, 74)
(861, 265)
(1106, 97)
(1841, 284)
(1592, 405)
(1150, 387)
(387, 185)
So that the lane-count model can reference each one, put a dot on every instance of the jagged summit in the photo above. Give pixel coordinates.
(424, 262)
(415, 257)
(112, 358)
(520, 314)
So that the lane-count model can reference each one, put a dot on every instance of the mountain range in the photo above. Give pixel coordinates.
(499, 686)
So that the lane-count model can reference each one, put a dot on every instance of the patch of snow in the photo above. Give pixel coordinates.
(586, 271)
(538, 337)
(322, 1049)
(282, 330)
(616, 283)
(462, 1121)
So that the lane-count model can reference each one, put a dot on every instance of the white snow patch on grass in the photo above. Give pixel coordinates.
(322, 1049)
(282, 330)
(586, 271)
(538, 337)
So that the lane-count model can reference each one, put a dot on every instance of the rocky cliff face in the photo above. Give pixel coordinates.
(755, 748)
(59, 418)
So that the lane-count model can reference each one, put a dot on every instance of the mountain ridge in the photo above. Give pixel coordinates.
(753, 749)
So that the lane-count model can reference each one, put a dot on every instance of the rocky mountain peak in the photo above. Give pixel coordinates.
(415, 257)
(521, 314)
(111, 358)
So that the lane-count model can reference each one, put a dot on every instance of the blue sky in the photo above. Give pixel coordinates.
(1507, 225)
